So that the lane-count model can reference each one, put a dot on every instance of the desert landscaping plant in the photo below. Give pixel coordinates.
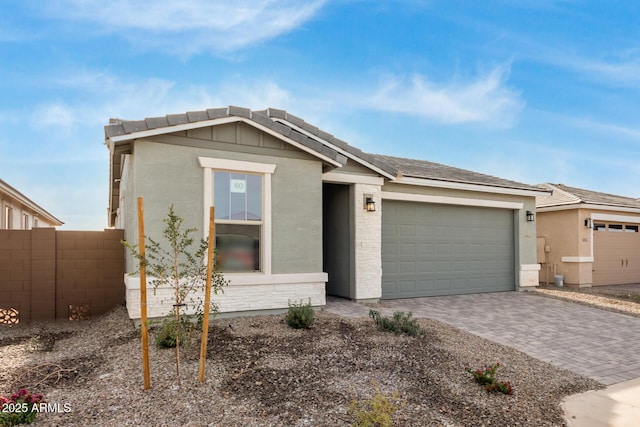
(377, 411)
(19, 408)
(400, 323)
(177, 264)
(300, 316)
(487, 378)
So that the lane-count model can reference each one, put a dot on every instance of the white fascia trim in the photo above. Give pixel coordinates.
(222, 121)
(559, 207)
(248, 279)
(391, 195)
(336, 148)
(209, 164)
(614, 218)
(348, 178)
(587, 206)
(425, 182)
(576, 259)
(529, 267)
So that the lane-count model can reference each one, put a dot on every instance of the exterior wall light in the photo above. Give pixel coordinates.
(531, 216)
(369, 203)
(588, 223)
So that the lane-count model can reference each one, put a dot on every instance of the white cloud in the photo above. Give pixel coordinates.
(189, 26)
(484, 100)
(622, 71)
(99, 96)
(54, 114)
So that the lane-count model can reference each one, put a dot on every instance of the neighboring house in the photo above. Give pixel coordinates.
(301, 214)
(18, 212)
(588, 237)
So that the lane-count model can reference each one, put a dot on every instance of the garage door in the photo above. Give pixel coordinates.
(616, 254)
(430, 249)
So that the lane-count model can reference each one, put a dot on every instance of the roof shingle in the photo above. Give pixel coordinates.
(565, 195)
(312, 137)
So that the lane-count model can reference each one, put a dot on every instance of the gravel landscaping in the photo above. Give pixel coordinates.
(260, 372)
(621, 299)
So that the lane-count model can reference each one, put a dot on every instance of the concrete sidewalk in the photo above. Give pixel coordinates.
(616, 406)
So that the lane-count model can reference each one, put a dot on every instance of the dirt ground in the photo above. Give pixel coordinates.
(260, 372)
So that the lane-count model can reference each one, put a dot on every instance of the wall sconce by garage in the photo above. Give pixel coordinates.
(369, 203)
(531, 216)
(588, 223)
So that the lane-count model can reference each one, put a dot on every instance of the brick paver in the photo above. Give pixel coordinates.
(600, 344)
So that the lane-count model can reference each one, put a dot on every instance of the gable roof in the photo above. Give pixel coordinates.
(572, 197)
(414, 168)
(119, 131)
(307, 137)
(10, 191)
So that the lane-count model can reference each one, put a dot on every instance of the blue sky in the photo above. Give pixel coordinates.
(533, 90)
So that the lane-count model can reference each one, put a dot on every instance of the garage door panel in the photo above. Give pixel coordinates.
(424, 267)
(453, 250)
(424, 231)
(407, 249)
(616, 257)
(407, 267)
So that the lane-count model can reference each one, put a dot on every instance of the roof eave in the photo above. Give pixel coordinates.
(470, 186)
(39, 210)
(215, 122)
(587, 205)
(345, 153)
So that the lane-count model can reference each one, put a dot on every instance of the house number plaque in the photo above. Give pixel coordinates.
(238, 186)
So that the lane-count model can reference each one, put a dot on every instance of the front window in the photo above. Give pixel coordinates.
(237, 198)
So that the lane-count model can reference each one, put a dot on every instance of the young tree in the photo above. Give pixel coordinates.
(177, 264)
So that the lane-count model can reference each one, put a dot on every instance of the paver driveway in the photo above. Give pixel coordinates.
(600, 344)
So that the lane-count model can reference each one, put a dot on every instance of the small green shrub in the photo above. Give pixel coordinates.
(300, 316)
(377, 411)
(400, 323)
(487, 378)
(169, 331)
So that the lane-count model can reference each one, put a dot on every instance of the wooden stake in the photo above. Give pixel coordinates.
(143, 296)
(207, 293)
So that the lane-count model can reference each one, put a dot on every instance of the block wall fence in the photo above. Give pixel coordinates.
(44, 271)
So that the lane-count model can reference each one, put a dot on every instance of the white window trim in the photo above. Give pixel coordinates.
(266, 170)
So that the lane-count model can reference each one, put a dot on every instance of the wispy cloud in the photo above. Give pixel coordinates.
(189, 26)
(485, 99)
(96, 96)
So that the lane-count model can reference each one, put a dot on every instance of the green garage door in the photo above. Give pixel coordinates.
(430, 249)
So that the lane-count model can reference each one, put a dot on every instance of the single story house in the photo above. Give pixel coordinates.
(301, 214)
(590, 238)
(18, 212)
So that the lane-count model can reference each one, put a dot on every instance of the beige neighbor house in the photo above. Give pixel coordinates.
(18, 212)
(588, 237)
(301, 214)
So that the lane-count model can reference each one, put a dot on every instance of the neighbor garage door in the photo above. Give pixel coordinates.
(616, 254)
(430, 249)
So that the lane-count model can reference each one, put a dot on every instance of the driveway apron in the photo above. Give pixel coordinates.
(599, 344)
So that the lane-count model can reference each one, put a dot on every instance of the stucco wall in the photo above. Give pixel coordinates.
(170, 174)
(562, 234)
(17, 211)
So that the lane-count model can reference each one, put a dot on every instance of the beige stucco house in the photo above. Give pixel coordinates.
(590, 238)
(18, 212)
(302, 214)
